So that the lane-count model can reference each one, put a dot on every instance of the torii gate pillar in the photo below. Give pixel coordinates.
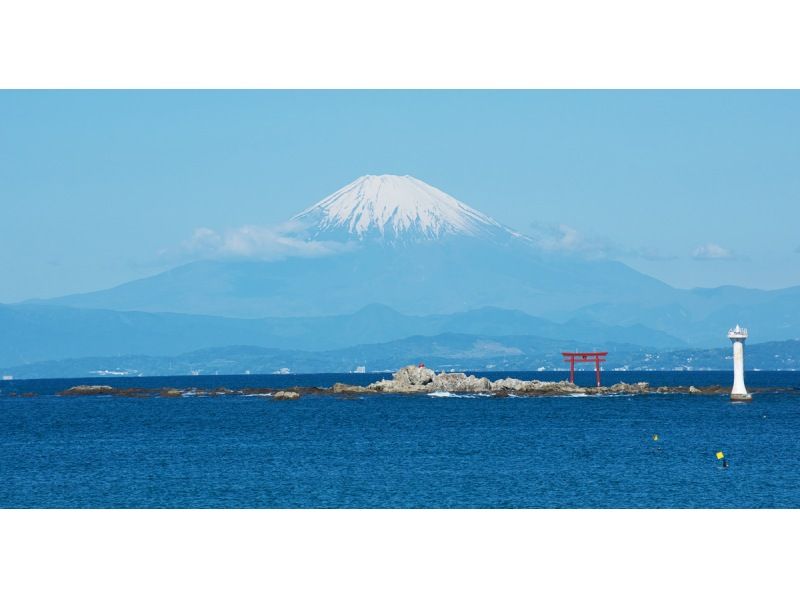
(574, 357)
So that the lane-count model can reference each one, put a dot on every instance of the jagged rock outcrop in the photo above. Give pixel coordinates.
(407, 379)
(413, 375)
(87, 389)
(625, 388)
(421, 379)
(286, 395)
(459, 382)
(514, 385)
(340, 387)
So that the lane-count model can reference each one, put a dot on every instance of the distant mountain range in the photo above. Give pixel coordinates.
(35, 333)
(381, 260)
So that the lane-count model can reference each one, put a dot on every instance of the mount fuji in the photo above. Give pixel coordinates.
(396, 209)
(399, 242)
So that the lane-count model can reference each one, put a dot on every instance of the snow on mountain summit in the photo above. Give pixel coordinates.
(394, 208)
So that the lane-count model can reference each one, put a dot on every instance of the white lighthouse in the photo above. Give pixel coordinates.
(738, 335)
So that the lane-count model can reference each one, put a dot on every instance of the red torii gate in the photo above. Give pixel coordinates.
(584, 357)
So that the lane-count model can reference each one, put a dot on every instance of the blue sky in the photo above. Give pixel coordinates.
(695, 188)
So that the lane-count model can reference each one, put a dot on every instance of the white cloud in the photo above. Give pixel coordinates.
(256, 242)
(712, 251)
(566, 239)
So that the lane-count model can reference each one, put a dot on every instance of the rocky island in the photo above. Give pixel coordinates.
(415, 380)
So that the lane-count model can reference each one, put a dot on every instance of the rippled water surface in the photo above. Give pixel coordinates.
(399, 451)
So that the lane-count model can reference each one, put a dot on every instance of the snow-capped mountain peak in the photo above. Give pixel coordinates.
(394, 208)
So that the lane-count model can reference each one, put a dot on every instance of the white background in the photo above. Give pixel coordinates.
(444, 44)
(415, 43)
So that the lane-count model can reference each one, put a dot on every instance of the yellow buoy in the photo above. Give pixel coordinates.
(655, 437)
(720, 455)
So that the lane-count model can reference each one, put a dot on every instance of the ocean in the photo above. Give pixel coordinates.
(391, 451)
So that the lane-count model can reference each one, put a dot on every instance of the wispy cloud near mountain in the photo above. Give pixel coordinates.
(258, 242)
(565, 239)
(712, 251)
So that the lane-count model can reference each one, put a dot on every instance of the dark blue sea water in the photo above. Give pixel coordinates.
(399, 451)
